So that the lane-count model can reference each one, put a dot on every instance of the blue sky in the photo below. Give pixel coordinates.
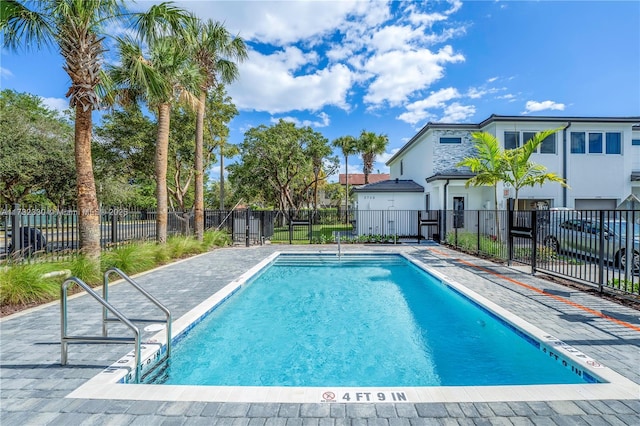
(391, 67)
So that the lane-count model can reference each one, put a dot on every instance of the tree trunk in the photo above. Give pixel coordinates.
(162, 150)
(198, 201)
(88, 209)
(221, 175)
(496, 213)
(346, 195)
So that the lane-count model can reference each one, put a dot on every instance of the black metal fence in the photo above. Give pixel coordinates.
(596, 247)
(599, 247)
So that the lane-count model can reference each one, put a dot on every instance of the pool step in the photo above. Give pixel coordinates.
(334, 259)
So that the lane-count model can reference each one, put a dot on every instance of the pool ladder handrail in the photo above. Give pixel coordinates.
(149, 296)
(119, 317)
(106, 319)
(65, 339)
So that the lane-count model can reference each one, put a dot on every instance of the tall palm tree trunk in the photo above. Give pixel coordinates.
(346, 195)
(221, 176)
(88, 209)
(198, 201)
(161, 156)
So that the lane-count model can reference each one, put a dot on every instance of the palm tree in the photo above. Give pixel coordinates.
(74, 27)
(521, 172)
(215, 51)
(166, 77)
(369, 145)
(348, 146)
(488, 165)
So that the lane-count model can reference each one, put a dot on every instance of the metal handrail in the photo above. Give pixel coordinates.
(105, 296)
(66, 339)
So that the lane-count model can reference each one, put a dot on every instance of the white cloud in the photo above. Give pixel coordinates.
(399, 74)
(534, 106)
(323, 122)
(418, 111)
(430, 18)
(268, 83)
(307, 55)
(456, 113)
(383, 158)
(5, 72)
(509, 97)
(395, 37)
(58, 104)
(279, 22)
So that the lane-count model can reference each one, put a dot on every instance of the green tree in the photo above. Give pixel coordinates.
(275, 166)
(215, 52)
(348, 146)
(520, 171)
(369, 145)
(220, 111)
(162, 79)
(489, 166)
(322, 162)
(123, 153)
(74, 28)
(36, 151)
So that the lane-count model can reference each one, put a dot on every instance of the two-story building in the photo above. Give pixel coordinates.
(599, 158)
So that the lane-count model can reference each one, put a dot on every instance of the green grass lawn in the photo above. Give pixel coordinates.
(319, 233)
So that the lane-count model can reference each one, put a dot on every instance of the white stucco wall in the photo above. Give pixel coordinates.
(387, 213)
(590, 176)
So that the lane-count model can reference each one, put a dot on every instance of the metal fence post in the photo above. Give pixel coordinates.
(16, 229)
(478, 236)
(114, 225)
(601, 251)
(246, 236)
(534, 240)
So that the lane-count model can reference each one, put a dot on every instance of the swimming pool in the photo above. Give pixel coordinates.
(110, 383)
(356, 321)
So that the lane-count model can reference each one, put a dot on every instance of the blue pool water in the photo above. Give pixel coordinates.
(377, 321)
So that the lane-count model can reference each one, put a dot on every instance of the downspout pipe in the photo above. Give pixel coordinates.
(443, 232)
(564, 162)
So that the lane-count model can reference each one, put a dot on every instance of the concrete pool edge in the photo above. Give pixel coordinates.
(105, 385)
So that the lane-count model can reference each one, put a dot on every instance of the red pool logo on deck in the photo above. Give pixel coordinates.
(328, 396)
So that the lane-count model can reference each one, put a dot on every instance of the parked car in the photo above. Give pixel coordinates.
(580, 235)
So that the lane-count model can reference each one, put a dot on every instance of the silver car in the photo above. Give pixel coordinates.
(582, 235)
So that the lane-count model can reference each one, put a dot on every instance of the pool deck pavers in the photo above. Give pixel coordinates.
(34, 386)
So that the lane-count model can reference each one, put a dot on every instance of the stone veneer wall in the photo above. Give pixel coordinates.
(446, 156)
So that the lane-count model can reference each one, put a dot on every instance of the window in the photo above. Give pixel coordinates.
(577, 143)
(614, 143)
(548, 145)
(527, 136)
(401, 168)
(450, 140)
(610, 142)
(635, 142)
(511, 140)
(595, 143)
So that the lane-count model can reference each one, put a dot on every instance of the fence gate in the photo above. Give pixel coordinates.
(522, 237)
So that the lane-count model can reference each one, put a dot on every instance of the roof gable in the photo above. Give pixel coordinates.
(395, 185)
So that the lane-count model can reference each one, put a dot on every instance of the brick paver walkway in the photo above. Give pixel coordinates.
(33, 384)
